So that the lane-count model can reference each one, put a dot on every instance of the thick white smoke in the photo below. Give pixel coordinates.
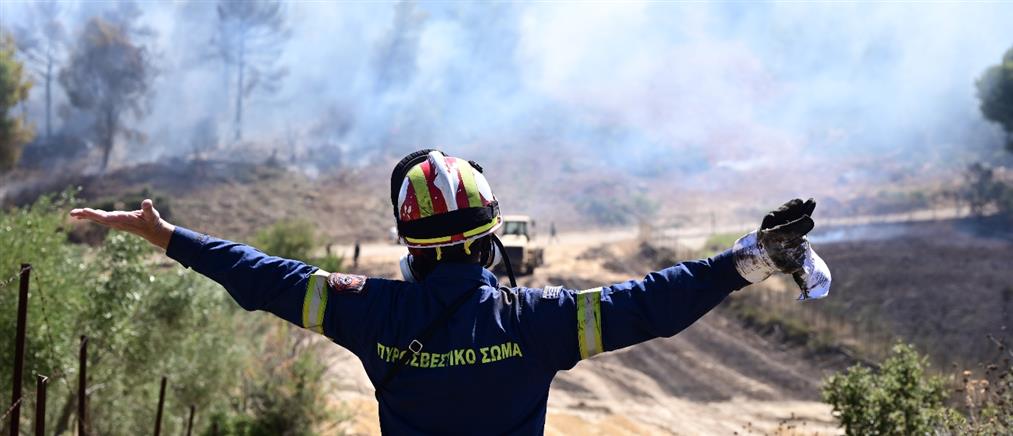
(651, 86)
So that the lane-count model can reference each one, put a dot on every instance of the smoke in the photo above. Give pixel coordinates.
(646, 87)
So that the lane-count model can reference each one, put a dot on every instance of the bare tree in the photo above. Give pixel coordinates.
(43, 44)
(109, 76)
(249, 41)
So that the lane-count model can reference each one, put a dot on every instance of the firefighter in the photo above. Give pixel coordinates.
(448, 349)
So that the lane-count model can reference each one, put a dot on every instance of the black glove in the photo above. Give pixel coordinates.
(782, 234)
(780, 245)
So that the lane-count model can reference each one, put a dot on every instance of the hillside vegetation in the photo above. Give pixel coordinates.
(144, 319)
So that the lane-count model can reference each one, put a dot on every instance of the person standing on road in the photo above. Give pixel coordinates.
(355, 255)
(448, 349)
(552, 232)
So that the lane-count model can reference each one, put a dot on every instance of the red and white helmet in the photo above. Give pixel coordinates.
(440, 201)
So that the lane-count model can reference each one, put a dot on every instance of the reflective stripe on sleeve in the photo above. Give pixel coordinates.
(315, 302)
(589, 322)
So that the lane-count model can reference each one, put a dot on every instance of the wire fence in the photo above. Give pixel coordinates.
(11, 279)
(12, 413)
(9, 410)
(49, 338)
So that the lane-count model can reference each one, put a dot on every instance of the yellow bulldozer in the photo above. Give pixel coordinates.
(518, 234)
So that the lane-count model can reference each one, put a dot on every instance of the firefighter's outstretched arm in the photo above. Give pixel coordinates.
(288, 288)
(585, 323)
(591, 321)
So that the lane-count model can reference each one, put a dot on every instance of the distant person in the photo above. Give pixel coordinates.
(448, 349)
(355, 255)
(552, 232)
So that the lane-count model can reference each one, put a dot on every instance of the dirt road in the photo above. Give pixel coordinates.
(714, 378)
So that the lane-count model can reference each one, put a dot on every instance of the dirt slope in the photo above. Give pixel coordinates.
(714, 378)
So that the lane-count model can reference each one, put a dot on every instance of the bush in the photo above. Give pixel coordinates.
(987, 187)
(719, 242)
(989, 400)
(898, 399)
(285, 394)
(329, 263)
(288, 238)
(295, 239)
(608, 207)
(143, 321)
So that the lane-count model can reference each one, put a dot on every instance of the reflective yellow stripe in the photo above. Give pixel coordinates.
(315, 302)
(418, 179)
(442, 239)
(589, 322)
(484, 228)
(468, 177)
(428, 241)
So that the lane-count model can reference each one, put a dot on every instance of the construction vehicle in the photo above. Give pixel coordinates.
(518, 234)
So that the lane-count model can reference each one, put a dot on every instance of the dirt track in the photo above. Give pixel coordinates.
(713, 378)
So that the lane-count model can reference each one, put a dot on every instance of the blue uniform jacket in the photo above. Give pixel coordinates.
(488, 371)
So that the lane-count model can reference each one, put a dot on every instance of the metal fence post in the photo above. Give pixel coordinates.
(40, 404)
(82, 411)
(19, 346)
(161, 403)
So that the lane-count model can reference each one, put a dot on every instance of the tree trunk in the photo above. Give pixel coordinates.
(49, 99)
(241, 64)
(108, 135)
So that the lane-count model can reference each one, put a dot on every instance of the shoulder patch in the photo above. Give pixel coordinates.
(551, 292)
(346, 282)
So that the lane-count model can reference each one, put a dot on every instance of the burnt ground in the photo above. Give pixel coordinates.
(944, 286)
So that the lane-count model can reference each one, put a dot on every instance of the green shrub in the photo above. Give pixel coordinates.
(329, 263)
(142, 323)
(897, 399)
(285, 394)
(719, 242)
(144, 320)
(288, 238)
(295, 239)
(609, 206)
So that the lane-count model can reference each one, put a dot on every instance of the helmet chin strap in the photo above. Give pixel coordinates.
(506, 260)
(498, 252)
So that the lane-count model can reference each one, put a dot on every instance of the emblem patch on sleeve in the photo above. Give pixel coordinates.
(551, 292)
(346, 282)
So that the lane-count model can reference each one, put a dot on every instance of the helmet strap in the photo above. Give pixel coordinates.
(506, 259)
